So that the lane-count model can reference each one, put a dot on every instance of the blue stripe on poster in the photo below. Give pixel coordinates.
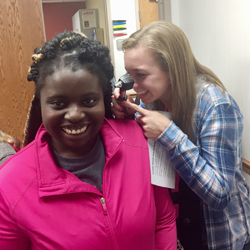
(119, 23)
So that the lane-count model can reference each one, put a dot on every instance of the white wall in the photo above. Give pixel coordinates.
(219, 34)
(123, 10)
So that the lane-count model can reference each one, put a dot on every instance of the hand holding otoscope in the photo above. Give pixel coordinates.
(124, 83)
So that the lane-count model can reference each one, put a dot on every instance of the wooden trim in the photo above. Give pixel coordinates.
(133, 95)
(246, 165)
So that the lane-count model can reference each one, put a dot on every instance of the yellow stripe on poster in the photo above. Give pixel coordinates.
(119, 26)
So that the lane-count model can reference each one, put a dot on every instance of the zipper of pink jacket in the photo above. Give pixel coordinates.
(104, 207)
(103, 202)
(105, 212)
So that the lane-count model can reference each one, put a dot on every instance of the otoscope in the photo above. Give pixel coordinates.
(125, 82)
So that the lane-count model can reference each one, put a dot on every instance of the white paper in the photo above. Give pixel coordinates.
(162, 171)
(89, 18)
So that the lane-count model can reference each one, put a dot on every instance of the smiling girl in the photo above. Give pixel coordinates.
(83, 179)
(203, 137)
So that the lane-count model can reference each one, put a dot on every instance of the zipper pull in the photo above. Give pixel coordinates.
(104, 206)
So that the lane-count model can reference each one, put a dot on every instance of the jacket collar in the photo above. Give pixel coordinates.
(54, 180)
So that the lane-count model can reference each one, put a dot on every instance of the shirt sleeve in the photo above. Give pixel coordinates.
(209, 167)
(4, 158)
(10, 236)
(165, 231)
(6, 150)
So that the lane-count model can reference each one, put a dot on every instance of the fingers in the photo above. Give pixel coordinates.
(116, 109)
(15, 142)
(117, 93)
(135, 108)
(115, 104)
(120, 111)
(138, 118)
(117, 113)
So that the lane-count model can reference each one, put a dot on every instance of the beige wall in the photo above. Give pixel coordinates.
(99, 4)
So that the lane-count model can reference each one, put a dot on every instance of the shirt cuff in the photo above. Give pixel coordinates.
(171, 136)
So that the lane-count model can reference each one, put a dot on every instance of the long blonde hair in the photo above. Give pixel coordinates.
(5, 137)
(172, 50)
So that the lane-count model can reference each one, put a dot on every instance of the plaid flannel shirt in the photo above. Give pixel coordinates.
(212, 167)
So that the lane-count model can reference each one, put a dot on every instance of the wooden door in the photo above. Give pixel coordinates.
(148, 11)
(21, 30)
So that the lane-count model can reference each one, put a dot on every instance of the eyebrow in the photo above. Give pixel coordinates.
(137, 69)
(65, 96)
(55, 96)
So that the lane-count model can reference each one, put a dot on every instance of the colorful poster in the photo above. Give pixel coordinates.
(119, 28)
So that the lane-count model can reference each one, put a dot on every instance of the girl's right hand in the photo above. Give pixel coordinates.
(152, 121)
(117, 109)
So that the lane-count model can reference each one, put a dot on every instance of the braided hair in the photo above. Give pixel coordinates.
(73, 50)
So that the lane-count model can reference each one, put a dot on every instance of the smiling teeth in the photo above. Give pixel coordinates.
(141, 93)
(75, 132)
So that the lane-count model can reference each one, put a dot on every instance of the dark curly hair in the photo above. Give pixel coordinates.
(73, 50)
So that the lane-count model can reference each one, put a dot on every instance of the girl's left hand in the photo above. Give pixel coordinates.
(120, 111)
(153, 122)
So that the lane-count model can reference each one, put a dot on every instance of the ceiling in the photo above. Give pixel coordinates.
(60, 1)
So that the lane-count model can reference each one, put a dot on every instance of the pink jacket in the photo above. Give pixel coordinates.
(45, 207)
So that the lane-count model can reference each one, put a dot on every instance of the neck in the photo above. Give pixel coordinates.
(168, 105)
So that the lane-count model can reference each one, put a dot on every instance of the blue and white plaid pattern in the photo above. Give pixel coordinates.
(212, 167)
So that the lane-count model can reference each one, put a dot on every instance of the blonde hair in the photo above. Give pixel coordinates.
(172, 50)
(5, 137)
